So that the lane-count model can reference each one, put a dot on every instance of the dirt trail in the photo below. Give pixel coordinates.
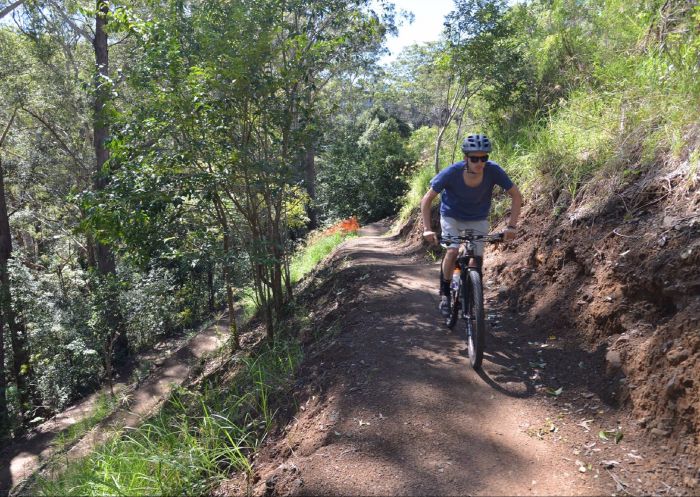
(393, 407)
(20, 460)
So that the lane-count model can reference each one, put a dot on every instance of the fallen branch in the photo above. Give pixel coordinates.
(620, 484)
(624, 236)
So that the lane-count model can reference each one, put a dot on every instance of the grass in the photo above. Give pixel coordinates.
(418, 184)
(316, 249)
(195, 441)
(248, 302)
(104, 406)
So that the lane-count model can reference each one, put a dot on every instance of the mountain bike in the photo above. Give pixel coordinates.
(467, 293)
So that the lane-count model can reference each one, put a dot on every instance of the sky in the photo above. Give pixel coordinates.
(427, 25)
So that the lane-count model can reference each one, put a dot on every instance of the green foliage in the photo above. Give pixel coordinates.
(607, 93)
(316, 249)
(196, 440)
(576, 89)
(418, 185)
(361, 173)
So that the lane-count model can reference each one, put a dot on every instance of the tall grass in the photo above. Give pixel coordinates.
(418, 184)
(196, 440)
(635, 108)
(318, 247)
(104, 406)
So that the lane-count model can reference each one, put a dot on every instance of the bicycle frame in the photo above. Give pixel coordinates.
(472, 305)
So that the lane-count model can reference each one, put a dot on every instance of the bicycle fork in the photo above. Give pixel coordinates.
(466, 296)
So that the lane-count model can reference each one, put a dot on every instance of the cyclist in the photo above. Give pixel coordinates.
(466, 189)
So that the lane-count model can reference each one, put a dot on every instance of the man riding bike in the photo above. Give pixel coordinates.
(466, 188)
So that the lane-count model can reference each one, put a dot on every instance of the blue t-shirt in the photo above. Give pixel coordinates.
(463, 202)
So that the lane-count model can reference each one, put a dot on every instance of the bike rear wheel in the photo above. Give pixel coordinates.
(476, 327)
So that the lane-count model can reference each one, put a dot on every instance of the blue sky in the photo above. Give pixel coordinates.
(427, 25)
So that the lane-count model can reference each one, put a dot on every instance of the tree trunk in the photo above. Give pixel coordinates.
(4, 425)
(5, 294)
(233, 327)
(310, 173)
(5, 11)
(106, 266)
(459, 95)
(20, 354)
(438, 142)
(103, 255)
(210, 286)
(457, 136)
(5, 252)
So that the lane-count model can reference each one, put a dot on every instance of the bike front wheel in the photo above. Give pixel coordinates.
(476, 327)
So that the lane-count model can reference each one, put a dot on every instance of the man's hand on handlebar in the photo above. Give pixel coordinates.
(430, 237)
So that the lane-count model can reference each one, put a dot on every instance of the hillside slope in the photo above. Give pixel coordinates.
(621, 271)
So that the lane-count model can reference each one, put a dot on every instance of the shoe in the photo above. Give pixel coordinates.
(445, 306)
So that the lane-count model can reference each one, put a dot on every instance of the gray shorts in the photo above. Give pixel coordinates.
(453, 227)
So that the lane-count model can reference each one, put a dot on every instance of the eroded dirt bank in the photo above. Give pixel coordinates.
(388, 405)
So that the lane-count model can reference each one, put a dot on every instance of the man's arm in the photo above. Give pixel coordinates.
(516, 202)
(425, 205)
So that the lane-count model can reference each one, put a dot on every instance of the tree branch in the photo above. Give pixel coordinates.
(71, 23)
(56, 136)
(7, 128)
(10, 8)
(120, 41)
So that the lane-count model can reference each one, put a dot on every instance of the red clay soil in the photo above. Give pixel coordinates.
(387, 404)
(620, 276)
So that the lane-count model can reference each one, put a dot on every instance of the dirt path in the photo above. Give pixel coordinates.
(20, 460)
(393, 407)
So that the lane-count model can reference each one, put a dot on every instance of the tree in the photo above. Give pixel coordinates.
(5, 296)
(476, 57)
(363, 169)
(323, 38)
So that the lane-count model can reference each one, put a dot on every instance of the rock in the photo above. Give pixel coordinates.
(613, 360)
(669, 221)
(623, 339)
(295, 486)
(643, 422)
(673, 387)
(677, 356)
(659, 432)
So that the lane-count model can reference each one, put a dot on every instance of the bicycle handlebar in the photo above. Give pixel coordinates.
(473, 237)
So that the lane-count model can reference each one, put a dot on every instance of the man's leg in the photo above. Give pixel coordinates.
(448, 227)
(481, 227)
(446, 270)
(448, 265)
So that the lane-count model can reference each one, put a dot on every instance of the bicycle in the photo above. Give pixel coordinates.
(467, 293)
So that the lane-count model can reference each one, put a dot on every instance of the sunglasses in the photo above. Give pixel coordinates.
(477, 159)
